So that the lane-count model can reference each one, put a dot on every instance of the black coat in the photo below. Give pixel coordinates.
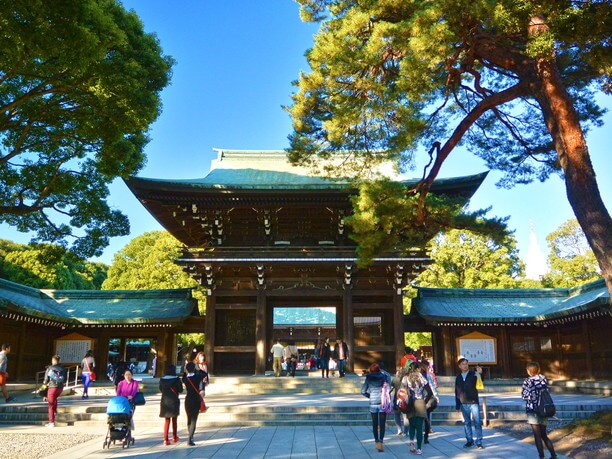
(465, 391)
(170, 405)
(336, 354)
(192, 387)
(324, 352)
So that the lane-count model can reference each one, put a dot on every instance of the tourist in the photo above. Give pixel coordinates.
(433, 402)
(202, 369)
(317, 353)
(398, 417)
(170, 386)
(340, 355)
(6, 349)
(532, 386)
(128, 387)
(324, 356)
(277, 356)
(54, 379)
(415, 382)
(466, 401)
(408, 358)
(372, 389)
(291, 355)
(88, 364)
(312, 362)
(193, 380)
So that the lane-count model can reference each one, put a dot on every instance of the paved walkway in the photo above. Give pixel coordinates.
(297, 443)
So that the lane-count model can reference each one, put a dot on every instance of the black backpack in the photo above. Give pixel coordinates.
(545, 407)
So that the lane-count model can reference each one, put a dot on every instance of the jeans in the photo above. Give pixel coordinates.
(399, 421)
(86, 376)
(342, 367)
(416, 430)
(471, 415)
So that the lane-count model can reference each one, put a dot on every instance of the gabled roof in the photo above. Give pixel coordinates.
(82, 307)
(441, 305)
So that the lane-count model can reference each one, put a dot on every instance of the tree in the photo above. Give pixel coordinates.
(513, 81)
(468, 260)
(571, 261)
(149, 262)
(80, 84)
(48, 266)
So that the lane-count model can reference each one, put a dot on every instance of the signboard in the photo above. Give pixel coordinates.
(478, 348)
(72, 348)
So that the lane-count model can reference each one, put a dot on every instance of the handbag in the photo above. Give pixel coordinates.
(385, 399)
(203, 408)
(42, 390)
(139, 399)
(92, 375)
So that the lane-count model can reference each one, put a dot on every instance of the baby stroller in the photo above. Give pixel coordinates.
(119, 411)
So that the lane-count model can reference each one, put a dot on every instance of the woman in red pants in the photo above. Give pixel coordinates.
(55, 377)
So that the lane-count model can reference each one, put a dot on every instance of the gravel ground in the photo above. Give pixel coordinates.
(571, 445)
(39, 445)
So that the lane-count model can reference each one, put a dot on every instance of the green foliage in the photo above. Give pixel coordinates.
(189, 340)
(80, 84)
(571, 261)
(386, 219)
(148, 262)
(465, 260)
(48, 266)
(417, 339)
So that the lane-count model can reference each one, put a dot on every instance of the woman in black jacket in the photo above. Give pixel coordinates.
(325, 355)
(170, 405)
(193, 381)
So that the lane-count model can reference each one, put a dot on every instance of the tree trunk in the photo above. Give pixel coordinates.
(580, 182)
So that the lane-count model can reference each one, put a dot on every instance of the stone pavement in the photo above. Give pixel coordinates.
(322, 442)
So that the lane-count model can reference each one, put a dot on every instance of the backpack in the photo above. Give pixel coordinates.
(405, 400)
(385, 399)
(545, 407)
(56, 375)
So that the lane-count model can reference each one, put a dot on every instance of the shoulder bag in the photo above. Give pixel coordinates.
(203, 408)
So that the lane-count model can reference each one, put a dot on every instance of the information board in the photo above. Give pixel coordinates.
(478, 348)
(72, 348)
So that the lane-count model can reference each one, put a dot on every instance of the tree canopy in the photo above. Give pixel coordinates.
(80, 84)
(571, 261)
(148, 262)
(512, 81)
(48, 266)
(467, 260)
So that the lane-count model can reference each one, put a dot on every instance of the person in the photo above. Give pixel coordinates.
(277, 355)
(312, 362)
(324, 355)
(54, 379)
(128, 388)
(372, 389)
(118, 370)
(419, 388)
(170, 386)
(153, 365)
(291, 354)
(532, 387)
(408, 358)
(6, 349)
(192, 379)
(202, 369)
(433, 402)
(396, 382)
(466, 401)
(317, 353)
(340, 355)
(88, 364)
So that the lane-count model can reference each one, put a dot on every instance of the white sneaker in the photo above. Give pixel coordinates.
(418, 452)
(51, 424)
(412, 447)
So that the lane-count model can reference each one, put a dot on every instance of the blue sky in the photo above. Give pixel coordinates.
(236, 60)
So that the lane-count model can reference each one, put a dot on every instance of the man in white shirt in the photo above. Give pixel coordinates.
(277, 354)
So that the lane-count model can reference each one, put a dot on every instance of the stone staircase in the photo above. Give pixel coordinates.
(258, 401)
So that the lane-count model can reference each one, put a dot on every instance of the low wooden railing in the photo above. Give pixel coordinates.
(72, 377)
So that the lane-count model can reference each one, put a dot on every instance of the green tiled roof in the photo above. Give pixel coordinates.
(519, 305)
(270, 170)
(98, 306)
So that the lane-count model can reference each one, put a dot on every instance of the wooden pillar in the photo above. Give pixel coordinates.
(261, 350)
(163, 358)
(21, 346)
(504, 351)
(209, 331)
(447, 354)
(398, 328)
(101, 352)
(586, 333)
(348, 328)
